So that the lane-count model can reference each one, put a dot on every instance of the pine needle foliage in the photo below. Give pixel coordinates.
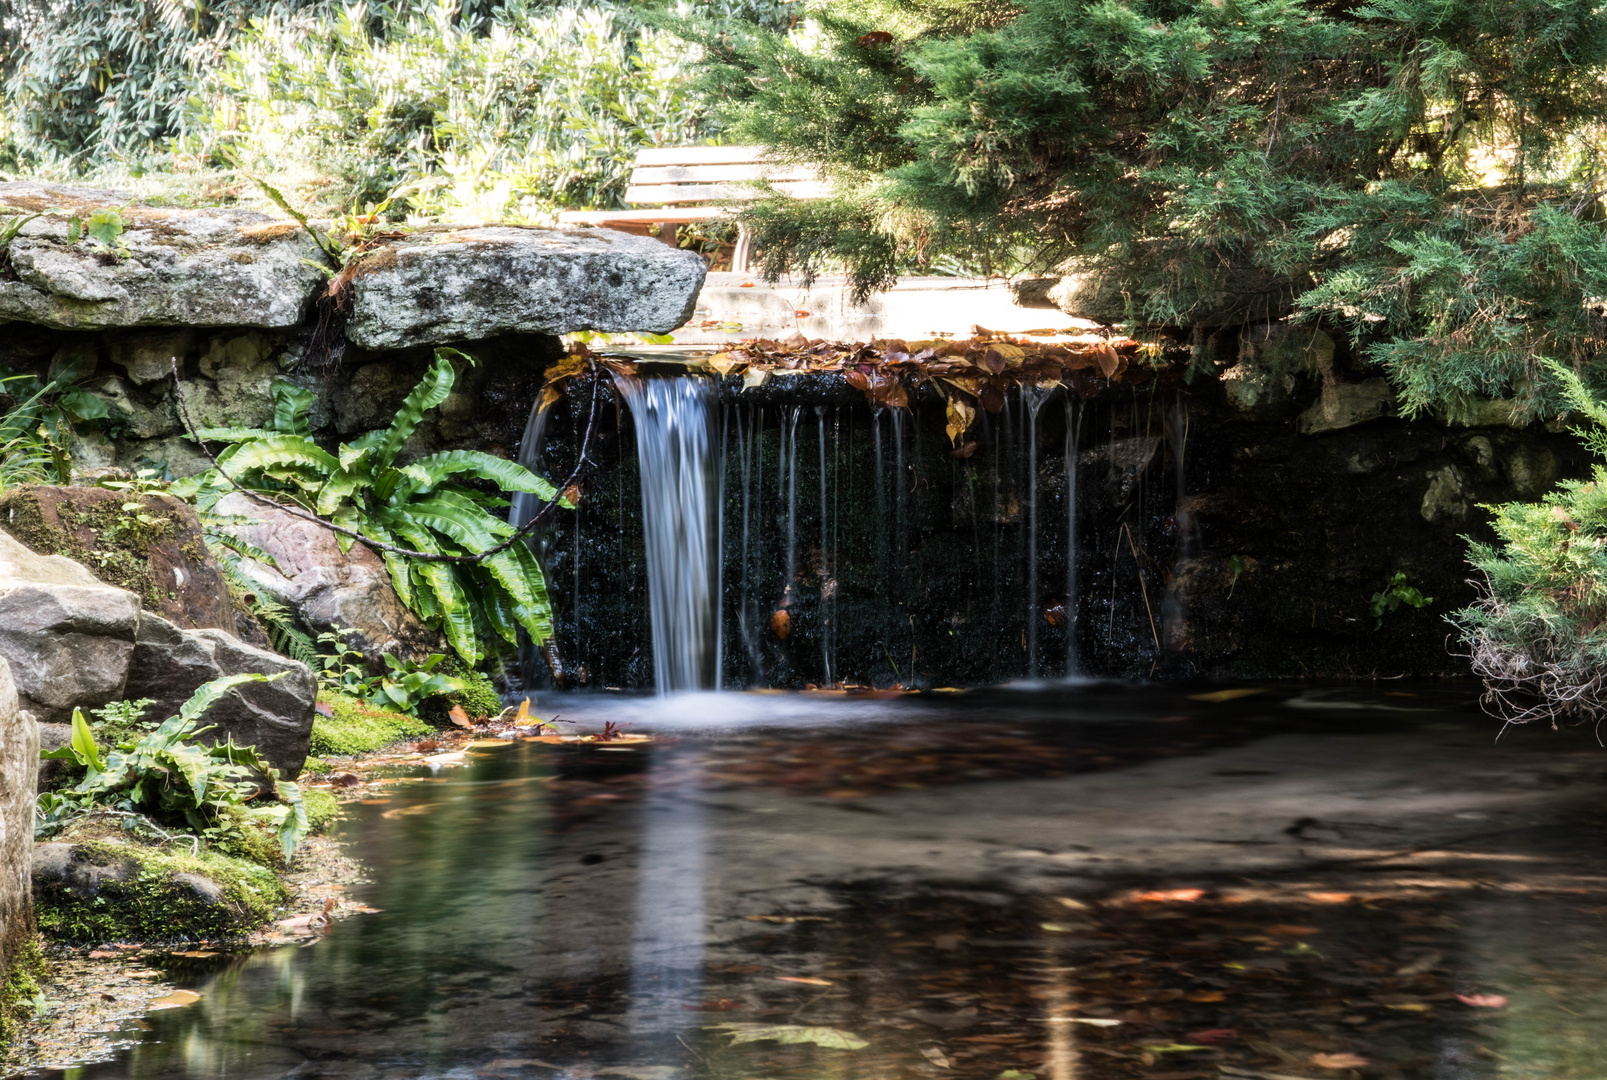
(1538, 633)
(1423, 173)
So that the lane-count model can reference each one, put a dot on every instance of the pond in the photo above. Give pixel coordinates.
(1070, 881)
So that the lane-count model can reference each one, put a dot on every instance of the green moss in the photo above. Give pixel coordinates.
(359, 728)
(478, 698)
(315, 765)
(22, 979)
(139, 896)
(118, 554)
(322, 806)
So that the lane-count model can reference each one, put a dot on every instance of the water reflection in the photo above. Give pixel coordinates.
(1063, 884)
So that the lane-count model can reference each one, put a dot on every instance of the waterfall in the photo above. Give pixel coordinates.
(521, 508)
(675, 445)
(1032, 400)
(1073, 429)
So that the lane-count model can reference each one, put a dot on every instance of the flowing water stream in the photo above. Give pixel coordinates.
(1090, 883)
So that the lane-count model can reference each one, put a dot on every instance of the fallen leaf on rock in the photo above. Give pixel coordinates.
(830, 1038)
(103, 954)
(1204, 997)
(1329, 897)
(458, 716)
(198, 954)
(1075, 905)
(935, 1056)
(175, 1000)
(806, 980)
(1483, 1001)
(1339, 1061)
(781, 624)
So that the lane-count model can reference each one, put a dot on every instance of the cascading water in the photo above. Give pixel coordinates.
(1032, 400)
(675, 442)
(1073, 430)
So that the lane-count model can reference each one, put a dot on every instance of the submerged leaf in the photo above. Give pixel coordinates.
(830, 1038)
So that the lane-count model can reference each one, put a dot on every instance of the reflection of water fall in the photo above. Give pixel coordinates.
(667, 945)
(674, 422)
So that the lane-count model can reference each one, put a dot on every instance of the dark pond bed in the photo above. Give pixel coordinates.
(1063, 882)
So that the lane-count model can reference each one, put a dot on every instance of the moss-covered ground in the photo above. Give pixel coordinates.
(355, 727)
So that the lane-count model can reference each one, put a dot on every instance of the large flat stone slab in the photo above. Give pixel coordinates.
(440, 285)
(168, 268)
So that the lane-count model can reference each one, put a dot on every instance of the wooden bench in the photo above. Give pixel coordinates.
(687, 184)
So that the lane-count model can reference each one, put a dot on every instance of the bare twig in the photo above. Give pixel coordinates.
(422, 556)
(1142, 588)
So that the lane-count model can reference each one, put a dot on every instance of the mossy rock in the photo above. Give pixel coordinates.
(23, 976)
(478, 697)
(154, 549)
(355, 727)
(95, 891)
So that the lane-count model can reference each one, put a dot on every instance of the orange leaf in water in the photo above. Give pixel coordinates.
(803, 979)
(1483, 1001)
(459, 717)
(781, 623)
(1162, 896)
(1339, 1061)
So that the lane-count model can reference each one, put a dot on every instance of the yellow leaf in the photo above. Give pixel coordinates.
(960, 415)
(754, 377)
(725, 363)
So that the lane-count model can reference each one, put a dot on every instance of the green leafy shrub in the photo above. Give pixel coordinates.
(419, 506)
(1393, 596)
(171, 781)
(38, 417)
(1538, 633)
(541, 106)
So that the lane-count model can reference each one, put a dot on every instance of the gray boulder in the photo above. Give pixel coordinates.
(67, 636)
(326, 587)
(167, 268)
(275, 717)
(470, 283)
(19, 763)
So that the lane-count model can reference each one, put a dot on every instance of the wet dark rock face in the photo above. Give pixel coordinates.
(1207, 544)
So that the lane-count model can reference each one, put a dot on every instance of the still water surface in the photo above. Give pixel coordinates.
(1064, 882)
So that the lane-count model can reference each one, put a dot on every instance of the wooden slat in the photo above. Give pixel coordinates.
(679, 216)
(700, 155)
(714, 174)
(695, 193)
